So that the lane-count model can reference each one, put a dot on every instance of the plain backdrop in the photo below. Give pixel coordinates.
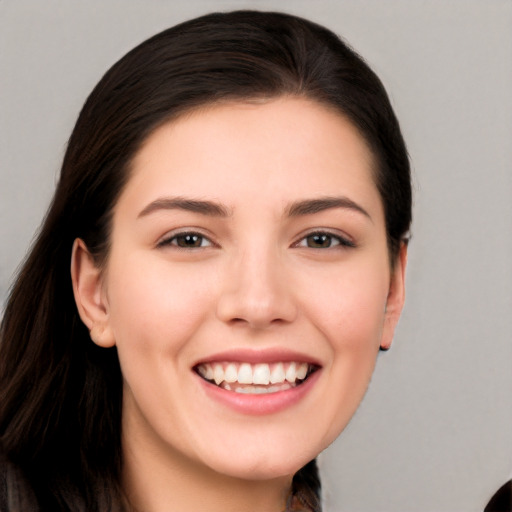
(434, 433)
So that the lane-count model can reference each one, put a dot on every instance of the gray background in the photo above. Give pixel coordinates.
(434, 432)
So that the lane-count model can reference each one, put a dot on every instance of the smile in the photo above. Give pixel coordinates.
(261, 378)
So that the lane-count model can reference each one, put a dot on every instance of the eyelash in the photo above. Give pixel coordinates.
(173, 240)
(329, 238)
(342, 242)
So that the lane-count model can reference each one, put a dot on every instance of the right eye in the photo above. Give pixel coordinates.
(186, 240)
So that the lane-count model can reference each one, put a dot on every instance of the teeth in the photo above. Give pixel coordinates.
(231, 374)
(206, 371)
(258, 390)
(277, 375)
(274, 376)
(245, 374)
(291, 374)
(302, 371)
(218, 373)
(261, 374)
(244, 391)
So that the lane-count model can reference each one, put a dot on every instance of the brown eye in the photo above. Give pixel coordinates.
(321, 241)
(324, 240)
(187, 241)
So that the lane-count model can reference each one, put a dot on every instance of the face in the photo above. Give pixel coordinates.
(248, 287)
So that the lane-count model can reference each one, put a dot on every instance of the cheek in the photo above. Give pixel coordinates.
(355, 328)
(350, 315)
(155, 306)
(156, 309)
(350, 310)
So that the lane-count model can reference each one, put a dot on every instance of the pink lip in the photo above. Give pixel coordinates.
(259, 356)
(259, 404)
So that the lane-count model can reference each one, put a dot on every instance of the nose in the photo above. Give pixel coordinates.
(257, 292)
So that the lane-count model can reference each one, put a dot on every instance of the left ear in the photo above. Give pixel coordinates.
(396, 298)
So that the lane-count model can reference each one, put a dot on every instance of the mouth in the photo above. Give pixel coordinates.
(260, 378)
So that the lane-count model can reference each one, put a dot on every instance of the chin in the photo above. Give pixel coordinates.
(262, 471)
(261, 465)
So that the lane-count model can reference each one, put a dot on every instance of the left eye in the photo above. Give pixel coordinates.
(323, 241)
(187, 241)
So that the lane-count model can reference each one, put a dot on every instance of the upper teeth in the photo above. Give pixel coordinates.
(246, 373)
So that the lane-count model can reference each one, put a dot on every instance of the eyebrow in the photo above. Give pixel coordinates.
(312, 206)
(209, 208)
(214, 209)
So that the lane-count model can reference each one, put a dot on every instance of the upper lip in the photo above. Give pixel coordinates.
(255, 356)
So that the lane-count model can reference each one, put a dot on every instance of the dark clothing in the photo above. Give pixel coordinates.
(502, 499)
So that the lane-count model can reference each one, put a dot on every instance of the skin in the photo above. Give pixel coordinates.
(254, 282)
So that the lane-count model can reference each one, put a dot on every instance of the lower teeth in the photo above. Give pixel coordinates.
(257, 390)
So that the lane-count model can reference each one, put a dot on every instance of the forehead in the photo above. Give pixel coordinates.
(283, 148)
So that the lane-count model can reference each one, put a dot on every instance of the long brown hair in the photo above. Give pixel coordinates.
(61, 395)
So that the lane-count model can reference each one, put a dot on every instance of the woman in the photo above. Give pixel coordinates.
(234, 203)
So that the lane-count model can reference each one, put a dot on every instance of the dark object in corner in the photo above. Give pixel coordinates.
(502, 499)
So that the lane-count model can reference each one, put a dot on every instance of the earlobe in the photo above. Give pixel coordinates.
(102, 335)
(89, 295)
(395, 299)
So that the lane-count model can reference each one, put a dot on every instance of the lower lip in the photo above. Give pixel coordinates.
(260, 404)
